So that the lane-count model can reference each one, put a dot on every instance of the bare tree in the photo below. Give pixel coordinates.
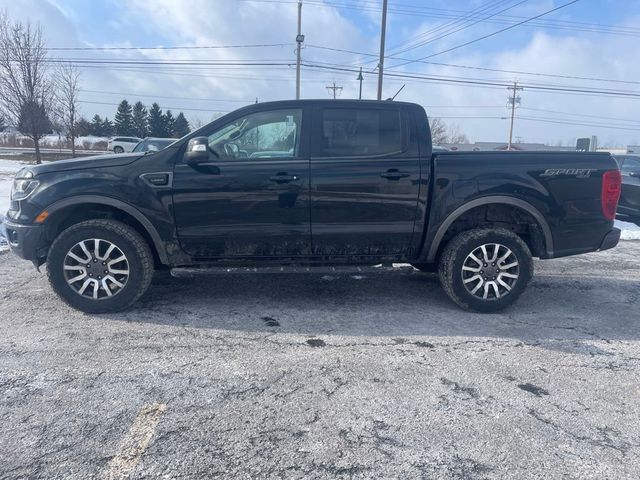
(67, 80)
(438, 130)
(25, 86)
(456, 135)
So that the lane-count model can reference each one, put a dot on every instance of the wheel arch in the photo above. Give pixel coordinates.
(547, 236)
(87, 206)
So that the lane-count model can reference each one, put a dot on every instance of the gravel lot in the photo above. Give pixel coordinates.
(318, 375)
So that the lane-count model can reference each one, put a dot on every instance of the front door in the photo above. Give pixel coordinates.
(365, 180)
(251, 198)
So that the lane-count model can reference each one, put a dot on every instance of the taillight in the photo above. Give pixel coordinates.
(611, 185)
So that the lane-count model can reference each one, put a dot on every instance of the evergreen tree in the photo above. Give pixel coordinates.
(181, 127)
(140, 120)
(156, 121)
(124, 119)
(83, 128)
(169, 124)
(107, 127)
(96, 126)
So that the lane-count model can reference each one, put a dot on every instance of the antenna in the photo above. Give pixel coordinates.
(394, 97)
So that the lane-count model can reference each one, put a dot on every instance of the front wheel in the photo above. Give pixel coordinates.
(485, 270)
(118, 150)
(100, 266)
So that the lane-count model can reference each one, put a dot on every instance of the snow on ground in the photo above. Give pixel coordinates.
(89, 142)
(630, 231)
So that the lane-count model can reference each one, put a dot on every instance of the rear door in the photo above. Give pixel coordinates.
(365, 179)
(630, 196)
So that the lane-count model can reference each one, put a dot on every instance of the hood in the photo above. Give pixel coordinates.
(98, 161)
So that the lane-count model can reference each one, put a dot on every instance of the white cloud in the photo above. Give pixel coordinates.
(227, 22)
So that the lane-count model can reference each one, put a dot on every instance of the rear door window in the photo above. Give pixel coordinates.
(360, 132)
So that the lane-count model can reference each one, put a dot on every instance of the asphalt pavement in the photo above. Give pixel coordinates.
(293, 375)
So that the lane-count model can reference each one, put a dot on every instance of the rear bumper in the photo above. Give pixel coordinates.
(610, 240)
(26, 241)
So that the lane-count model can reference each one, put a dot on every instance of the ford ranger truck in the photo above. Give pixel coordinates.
(314, 183)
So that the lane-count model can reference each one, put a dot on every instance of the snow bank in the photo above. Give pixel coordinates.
(88, 142)
(630, 231)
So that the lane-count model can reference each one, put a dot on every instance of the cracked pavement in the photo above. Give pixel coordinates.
(298, 375)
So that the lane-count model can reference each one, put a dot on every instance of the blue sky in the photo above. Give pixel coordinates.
(600, 42)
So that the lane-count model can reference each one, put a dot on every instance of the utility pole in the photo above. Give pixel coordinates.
(299, 40)
(335, 89)
(360, 79)
(382, 38)
(513, 100)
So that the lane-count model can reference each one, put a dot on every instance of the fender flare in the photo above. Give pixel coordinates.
(494, 199)
(119, 204)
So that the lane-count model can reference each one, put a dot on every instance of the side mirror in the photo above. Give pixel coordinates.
(197, 151)
(634, 174)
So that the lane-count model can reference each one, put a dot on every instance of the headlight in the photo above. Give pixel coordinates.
(23, 185)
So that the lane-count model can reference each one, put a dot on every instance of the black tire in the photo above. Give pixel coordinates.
(118, 150)
(130, 243)
(460, 248)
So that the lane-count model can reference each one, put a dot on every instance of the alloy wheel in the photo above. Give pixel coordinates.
(96, 268)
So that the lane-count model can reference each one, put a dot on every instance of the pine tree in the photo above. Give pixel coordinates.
(96, 126)
(169, 124)
(83, 128)
(124, 119)
(156, 121)
(140, 120)
(181, 126)
(107, 127)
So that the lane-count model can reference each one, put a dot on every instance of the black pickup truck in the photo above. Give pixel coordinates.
(311, 182)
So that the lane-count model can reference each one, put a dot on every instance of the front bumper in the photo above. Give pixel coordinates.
(26, 241)
(610, 240)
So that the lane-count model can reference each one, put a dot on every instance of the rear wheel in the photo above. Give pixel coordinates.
(485, 270)
(100, 266)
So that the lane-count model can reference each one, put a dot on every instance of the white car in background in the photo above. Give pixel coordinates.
(122, 144)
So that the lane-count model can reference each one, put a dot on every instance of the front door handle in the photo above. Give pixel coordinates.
(394, 174)
(283, 177)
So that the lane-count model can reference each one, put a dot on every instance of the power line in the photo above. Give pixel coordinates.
(617, 119)
(484, 37)
(561, 122)
(161, 47)
(125, 94)
(568, 89)
(161, 106)
(420, 44)
(455, 20)
(487, 69)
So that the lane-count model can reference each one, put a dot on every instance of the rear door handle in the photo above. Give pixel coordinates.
(283, 178)
(394, 174)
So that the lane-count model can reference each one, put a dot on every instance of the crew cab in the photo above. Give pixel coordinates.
(316, 183)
